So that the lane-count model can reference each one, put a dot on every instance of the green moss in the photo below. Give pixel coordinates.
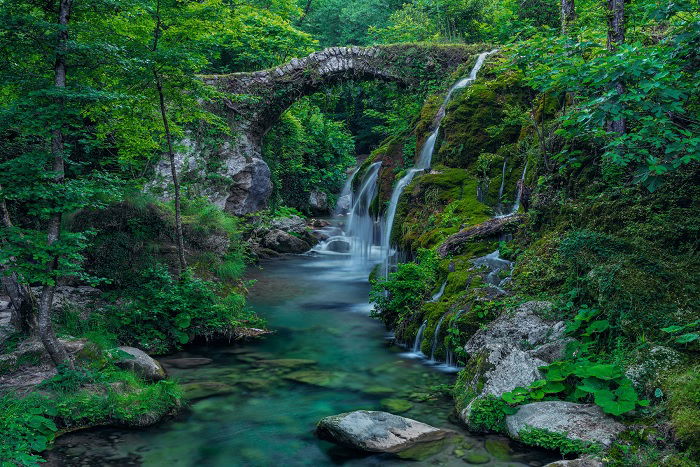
(555, 441)
(436, 205)
(683, 390)
(474, 111)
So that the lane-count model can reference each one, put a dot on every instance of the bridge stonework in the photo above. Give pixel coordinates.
(255, 100)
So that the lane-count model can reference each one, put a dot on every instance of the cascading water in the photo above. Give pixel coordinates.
(519, 191)
(419, 338)
(357, 237)
(436, 335)
(344, 203)
(423, 162)
(439, 293)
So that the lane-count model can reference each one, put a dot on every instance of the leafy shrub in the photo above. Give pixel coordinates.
(163, 313)
(404, 291)
(26, 428)
(489, 414)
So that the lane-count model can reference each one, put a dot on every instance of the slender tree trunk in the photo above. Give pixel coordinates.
(171, 153)
(568, 14)
(173, 171)
(21, 297)
(56, 351)
(616, 36)
(303, 16)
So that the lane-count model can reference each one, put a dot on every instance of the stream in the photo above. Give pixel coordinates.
(326, 356)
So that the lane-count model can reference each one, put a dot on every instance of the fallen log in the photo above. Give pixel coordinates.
(489, 228)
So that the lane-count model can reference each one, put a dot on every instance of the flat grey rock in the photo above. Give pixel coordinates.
(376, 431)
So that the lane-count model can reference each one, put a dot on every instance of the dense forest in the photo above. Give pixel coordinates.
(195, 195)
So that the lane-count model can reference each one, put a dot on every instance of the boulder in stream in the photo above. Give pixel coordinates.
(284, 242)
(376, 431)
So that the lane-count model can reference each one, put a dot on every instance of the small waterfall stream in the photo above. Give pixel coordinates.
(345, 200)
(439, 293)
(436, 335)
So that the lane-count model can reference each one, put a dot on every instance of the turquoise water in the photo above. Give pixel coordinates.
(264, 397)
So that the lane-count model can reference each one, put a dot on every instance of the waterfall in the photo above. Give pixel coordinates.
(519, 191)
(360, 226)
(439, 293)
(436, 334)
(419, 338)
(345, 198)
(503, 184)
(423, 162)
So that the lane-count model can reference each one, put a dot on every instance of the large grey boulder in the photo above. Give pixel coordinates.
(140, 363)
(289, 224)
(582, 422)
(375, 431)
(283, 242)
(232, 176)
(508, 354)
(318, 202)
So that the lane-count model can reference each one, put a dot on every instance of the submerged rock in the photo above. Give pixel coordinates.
(141, 363)
(203, 389)
(186, 362)
(377, 431)
(286, 362)
(325, 379)
(396, 405)
(581, 422)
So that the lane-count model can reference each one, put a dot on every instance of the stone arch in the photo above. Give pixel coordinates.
(257, 99)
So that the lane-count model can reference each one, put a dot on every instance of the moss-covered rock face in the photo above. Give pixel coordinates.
(683, 391)
(476, 121)
(436, 205)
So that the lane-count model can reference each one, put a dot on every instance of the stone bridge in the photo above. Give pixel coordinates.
(234, 176)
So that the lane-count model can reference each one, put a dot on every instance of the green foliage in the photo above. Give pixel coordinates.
(659, 94)
(73, 399)
(488, 414)
(555, 441)
(162, 313)
(26, 429)
(579, 378)
(402, 293)
(307, 151)
(681, 334)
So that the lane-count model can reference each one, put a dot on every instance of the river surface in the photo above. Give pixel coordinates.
(257, 403)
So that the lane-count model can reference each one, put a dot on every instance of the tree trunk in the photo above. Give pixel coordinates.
(54, 348)
(171, 154)
(616, 36)
(306, 11)
(21, 297)
(176, 182)
(568, 14)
